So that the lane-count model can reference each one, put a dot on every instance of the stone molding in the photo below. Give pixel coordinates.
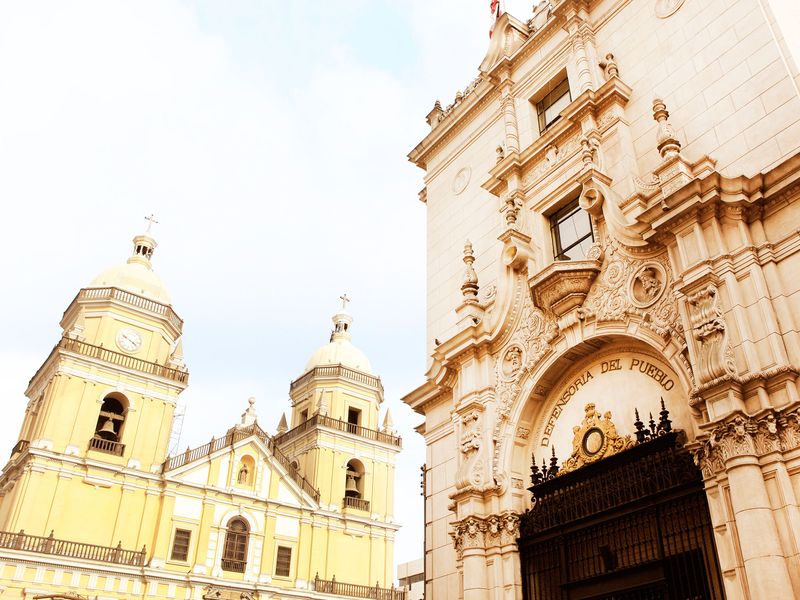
(482, 533)
(742, 436)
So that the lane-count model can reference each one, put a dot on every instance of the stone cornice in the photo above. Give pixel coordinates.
(713, 192)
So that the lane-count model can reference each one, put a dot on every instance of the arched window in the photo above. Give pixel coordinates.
(110, 422)
(234, 553)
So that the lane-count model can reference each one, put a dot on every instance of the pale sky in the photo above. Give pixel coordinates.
(269, 138)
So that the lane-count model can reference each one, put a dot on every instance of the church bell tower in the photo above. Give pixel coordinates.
(340, 443)
(104, 397)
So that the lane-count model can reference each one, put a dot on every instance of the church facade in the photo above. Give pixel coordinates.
(611, 403)
(92, 506)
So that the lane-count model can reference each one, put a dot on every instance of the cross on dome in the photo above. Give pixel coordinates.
(151, 220)
(345, 299)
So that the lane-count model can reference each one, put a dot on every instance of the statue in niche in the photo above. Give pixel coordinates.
(244, 475)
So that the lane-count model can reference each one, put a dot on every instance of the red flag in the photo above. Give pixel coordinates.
(494, 7)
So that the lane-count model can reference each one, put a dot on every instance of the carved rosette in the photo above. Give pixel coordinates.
(714, 355)
(482, 533)
(747, 436)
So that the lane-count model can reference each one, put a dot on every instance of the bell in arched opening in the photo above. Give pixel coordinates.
(107, 431)
(351, 486)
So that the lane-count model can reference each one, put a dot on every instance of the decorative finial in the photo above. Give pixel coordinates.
(588, 147)
(283, 427)
(511, 207)
(500, 151)
(151, 220)
(609, 66)
(388, 422)
(469, 288)
(249, 415)
(668, 144)
(345, 299)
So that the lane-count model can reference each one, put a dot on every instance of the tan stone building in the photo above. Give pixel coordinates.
(628, 175)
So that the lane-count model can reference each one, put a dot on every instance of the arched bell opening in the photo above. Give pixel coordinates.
(111, 418)
(354, 479)
(110, 425)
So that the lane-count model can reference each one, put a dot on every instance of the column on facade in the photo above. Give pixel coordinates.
(733, 454)
(509, 119)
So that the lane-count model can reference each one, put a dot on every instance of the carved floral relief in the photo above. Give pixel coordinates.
(528, 344)
(485, 532)
(748, 436)
(626, 286)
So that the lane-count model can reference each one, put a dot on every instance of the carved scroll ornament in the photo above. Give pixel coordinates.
(714, 355)
(470, 474)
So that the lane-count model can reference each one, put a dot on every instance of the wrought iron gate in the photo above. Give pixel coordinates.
(634, 526)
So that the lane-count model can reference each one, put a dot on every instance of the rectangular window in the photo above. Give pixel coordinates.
(353, 418)
(304, 416)
(180, 545)
(549, 107)
(572, 232)
(284, 561)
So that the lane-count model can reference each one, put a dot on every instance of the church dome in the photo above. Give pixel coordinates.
(340, 350)
(136, 275)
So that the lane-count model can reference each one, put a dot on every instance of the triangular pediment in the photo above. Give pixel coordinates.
(244, 461)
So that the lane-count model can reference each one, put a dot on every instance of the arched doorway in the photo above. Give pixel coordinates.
(618, 508)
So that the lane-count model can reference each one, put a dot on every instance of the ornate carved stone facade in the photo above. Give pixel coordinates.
(683, 294)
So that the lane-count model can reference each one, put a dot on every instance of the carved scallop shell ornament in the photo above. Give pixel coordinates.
(665, 8)
(461, 180)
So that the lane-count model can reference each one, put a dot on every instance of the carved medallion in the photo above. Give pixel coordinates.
(461, 180)
(647, 284)
(665, 8)
(594, 441)
(595, 438)
(512, 362)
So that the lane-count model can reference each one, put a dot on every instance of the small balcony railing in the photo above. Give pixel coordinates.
(338, 424)
(338, 371)
(357, 503)
(107, 446)
(233, 566)
(353, 590)
(117, 358)
(110, 293)
(51, 545)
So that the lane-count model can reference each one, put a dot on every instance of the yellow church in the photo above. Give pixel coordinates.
(92, 506)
